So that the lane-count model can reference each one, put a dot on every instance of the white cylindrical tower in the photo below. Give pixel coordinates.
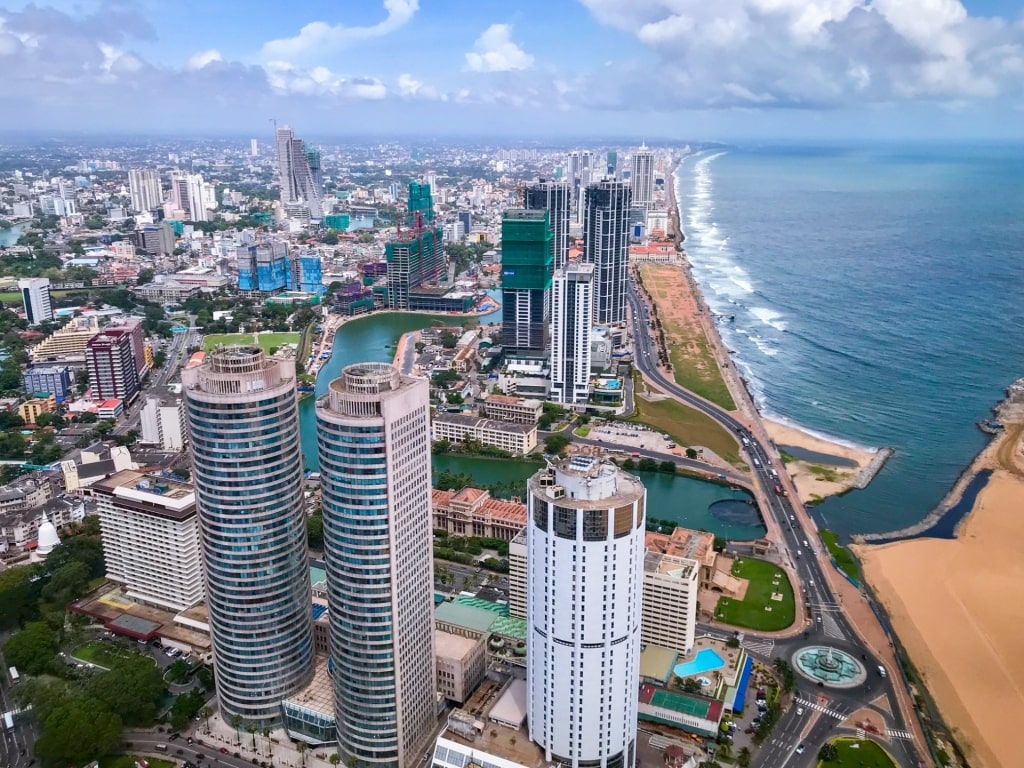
(585, 547)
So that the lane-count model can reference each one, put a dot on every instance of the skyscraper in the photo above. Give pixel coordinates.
(415, 255)
(606, 237)
(113, 371)
(243, 426)
(554, 197)
(526, 261)
(294, 174)
(641, 180)
(585, 549)
(254, 147)
(373, 433)
(571, 306)
(187, 195)
(313, 160)
(144, 188)
(35, 295)
(580, 167)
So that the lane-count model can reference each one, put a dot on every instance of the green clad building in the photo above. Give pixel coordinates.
(527, 264)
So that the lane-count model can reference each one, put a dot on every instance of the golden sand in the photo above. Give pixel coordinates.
(809, 485)
(958, 608)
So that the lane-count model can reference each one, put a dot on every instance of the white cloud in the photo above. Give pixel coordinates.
(203, 59)
(319, 37)
(494, 51)
(814, 53)
(412, 88)
(288, 78)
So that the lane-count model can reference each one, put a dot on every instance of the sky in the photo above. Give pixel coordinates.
(525, 69)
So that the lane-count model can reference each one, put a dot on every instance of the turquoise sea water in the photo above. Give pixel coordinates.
(878, 296)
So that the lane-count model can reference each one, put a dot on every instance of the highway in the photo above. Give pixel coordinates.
(827, 623)
(15, 747)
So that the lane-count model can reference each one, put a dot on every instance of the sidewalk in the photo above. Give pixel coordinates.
(278, 751)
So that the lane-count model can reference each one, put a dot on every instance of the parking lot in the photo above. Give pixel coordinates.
(632, 435)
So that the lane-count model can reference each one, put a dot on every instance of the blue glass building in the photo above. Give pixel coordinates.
(373, 436)
(243, 425)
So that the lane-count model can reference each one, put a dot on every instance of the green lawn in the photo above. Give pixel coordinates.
(750, 612)
(581, 431)
(854, 753)
(102, 654)
(267, 340)
(844, 558)
(11, 297)
(687, 426)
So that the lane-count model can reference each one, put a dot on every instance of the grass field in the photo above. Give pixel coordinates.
(854, 753)
(267, 340)
(12, 298)
(687, 426)
(750, 612)
(694, 365)
(102, 654)
(844, 558)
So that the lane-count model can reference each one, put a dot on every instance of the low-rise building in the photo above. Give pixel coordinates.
(669, 613)
(473, 512)
(167, 291)
(31, 409)
(461, 664)
(519, 410)
(150, 535)
(689, 544)
(457, 427)
(53, 380)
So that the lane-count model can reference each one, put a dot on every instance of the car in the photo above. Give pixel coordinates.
(223, 750)
(800, 749)
(174, 736)
(799, 710)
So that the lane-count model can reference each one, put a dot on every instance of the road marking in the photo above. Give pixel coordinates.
(898, 734)
(831, 627)
(760, 647)
(818, 707)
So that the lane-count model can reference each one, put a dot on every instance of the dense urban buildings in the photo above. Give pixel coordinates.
(526, 268)
(606, 237)
(585, 549)
(373, 433)
(414, 256)
(555, 197)
(151, 538)
(35, 293)
(572, 301)
(298, 184)
(113, 369)
(244, 431)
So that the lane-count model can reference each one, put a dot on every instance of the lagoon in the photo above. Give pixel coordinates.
(10, 236)
(683, 500)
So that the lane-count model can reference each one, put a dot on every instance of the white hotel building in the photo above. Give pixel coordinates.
(585, 542)
(150, 538)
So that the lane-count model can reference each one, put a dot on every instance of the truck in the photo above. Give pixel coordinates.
(13, 673)
(9, 722)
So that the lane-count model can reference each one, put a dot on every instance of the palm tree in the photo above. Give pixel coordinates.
(743, 758)
(236, 723)
(251, 728)
(335, 758)
(302, 747)
(206, 712)
(266, 736)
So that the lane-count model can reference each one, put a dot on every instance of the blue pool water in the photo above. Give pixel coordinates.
(706, 660)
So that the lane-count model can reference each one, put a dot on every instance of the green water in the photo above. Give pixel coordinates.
(680, 499)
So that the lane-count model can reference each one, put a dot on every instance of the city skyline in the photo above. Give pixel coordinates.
(860, 68)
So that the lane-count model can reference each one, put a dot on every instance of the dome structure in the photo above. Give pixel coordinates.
(47, 538)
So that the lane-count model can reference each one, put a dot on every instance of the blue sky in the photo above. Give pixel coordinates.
(676, 69)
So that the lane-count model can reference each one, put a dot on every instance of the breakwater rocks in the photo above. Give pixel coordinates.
(874, 466)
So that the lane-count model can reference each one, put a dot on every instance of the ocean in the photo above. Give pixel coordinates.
(877, 296)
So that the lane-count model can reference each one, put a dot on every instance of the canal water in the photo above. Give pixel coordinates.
(682, 500)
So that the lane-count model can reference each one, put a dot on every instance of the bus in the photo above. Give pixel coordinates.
(15, 677)
(9, 722)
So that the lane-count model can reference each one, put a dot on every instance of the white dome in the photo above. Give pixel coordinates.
(47, 538)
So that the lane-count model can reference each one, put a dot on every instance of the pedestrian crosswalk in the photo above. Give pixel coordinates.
(893, 734)
(824, 710)
(760, 647)
(831, 627)
(861, 733)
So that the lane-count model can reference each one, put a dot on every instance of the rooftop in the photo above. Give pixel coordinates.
(452, 646)
(683, 542)
(669, 565)
(477, 619)
(479, 423)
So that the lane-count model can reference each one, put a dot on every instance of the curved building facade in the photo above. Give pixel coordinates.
(243, 426)
(584, 590)
(373, 436)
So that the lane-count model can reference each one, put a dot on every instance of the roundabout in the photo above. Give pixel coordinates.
(829, 666)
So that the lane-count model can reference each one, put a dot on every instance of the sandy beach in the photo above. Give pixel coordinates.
(831, 478)
(957, 606)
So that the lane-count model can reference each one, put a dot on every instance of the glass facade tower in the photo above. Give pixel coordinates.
(373, 436)
(243, 426)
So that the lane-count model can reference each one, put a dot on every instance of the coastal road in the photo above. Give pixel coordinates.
(827, 623)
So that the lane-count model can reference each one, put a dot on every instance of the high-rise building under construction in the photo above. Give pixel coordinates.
(415, 254)
(298, 184)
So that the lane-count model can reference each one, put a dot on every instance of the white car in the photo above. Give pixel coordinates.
(799, 749)
(799, 710)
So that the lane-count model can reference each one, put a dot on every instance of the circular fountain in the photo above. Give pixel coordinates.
(829, 666)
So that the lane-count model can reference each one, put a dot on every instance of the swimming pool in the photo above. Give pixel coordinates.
(706, 660)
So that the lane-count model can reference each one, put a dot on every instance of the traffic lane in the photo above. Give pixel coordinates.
(146, 742)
